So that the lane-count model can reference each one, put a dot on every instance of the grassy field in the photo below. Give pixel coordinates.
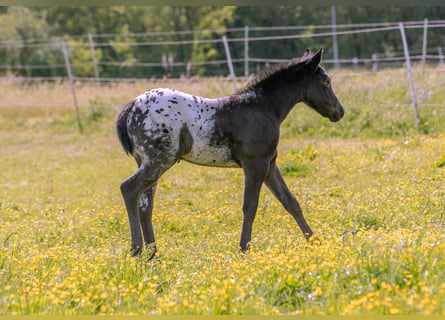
(371, 186)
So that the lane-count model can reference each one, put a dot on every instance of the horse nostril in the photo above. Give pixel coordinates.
(342, 112)
(337, 114)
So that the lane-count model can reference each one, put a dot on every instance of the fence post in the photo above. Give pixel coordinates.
(374, 62)
(93, 53)
(334, 31)
(440, 55)
(408, 66)
(70, 77)
(246, 51)
(188, 69)
(355, 63)
(425, 31)
(229, 62)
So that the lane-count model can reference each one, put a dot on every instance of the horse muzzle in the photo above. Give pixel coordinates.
(337, 114)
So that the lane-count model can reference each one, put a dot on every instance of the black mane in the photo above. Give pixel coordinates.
(273, 71)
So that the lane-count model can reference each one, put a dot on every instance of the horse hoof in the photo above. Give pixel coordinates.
(245, 249)
(151, 249)
(136, 251)
(151, 254)
(314, 240)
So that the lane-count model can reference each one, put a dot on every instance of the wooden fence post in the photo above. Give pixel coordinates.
(410, 74)
(70, 77)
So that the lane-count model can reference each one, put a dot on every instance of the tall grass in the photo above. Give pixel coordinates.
(371, 186)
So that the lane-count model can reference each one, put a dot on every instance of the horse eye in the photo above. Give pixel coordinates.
(325, 82)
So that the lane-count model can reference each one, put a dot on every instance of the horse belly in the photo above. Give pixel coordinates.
(207, 155)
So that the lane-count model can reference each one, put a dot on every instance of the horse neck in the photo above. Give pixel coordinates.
(283, 97)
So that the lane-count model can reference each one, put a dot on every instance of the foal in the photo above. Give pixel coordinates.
(162, 126)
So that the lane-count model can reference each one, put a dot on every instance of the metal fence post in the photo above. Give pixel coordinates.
(410, 74)
(70, 77)
(355, 63)
(375, 67)
(188, 69)
(229, 62)
(334, 31)
(425, 31)
(93, 54)
(439, 49)
(246, 51)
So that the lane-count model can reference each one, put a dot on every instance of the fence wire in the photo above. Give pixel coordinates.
(371, 65)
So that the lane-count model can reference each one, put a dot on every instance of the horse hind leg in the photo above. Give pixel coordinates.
(138, 190)
(145, 215)
(132, 189)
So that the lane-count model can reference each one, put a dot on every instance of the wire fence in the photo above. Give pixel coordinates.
(165, 67)
(243, 64)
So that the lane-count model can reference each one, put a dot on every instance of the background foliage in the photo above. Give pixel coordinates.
(26, 23)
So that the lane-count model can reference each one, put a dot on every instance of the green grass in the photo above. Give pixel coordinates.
(371, 187)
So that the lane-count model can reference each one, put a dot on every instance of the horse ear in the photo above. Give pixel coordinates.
(307, 52)
(316, 59)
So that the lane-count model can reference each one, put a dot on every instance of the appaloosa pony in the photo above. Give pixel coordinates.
(162, 126)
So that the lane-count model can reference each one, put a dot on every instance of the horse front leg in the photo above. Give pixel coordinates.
(145, 215)
(275, 182)
(255, 172)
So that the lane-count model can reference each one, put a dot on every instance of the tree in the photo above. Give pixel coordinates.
(21, 26)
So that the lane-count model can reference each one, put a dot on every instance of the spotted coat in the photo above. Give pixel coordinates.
(161, 119)
(162, 126)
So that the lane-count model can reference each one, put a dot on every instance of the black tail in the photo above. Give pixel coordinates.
(122, 130)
